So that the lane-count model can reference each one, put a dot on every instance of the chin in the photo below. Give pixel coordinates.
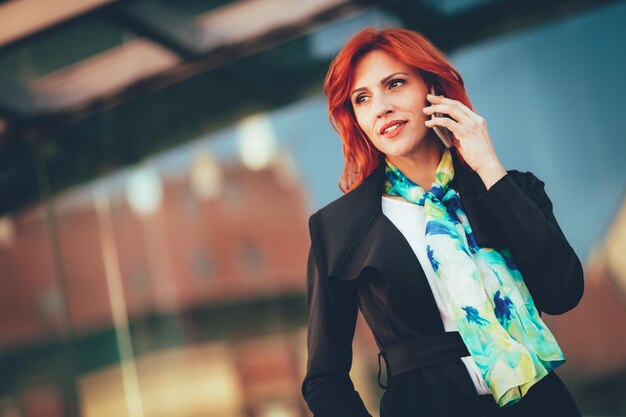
(399, 153)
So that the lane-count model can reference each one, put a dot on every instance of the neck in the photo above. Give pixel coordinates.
(421, 166)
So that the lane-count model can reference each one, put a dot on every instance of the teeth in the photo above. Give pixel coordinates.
(392, 128)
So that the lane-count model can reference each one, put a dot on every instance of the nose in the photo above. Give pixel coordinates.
(383, 107)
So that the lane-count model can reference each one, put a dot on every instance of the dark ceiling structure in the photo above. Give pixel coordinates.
(89, 86)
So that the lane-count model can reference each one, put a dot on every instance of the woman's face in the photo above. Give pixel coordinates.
(387, 98)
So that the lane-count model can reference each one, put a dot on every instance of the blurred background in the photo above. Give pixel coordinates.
(159, 161)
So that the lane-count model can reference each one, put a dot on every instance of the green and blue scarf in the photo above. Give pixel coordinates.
(495, 314)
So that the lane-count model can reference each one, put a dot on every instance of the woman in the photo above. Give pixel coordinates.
(450, 258)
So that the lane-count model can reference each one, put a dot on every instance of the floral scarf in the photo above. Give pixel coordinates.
(494, 313)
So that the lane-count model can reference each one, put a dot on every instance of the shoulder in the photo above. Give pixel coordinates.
(336, 213)
(342, 219)
(523, 177)
(513, 186)
(527, 181)
(336, 228)
(350, 212)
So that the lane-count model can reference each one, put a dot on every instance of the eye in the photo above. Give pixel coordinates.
(360, 99)
(396, 83)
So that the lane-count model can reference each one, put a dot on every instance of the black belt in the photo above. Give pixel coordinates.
(419, 352)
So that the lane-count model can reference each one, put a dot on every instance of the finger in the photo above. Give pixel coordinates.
(455, 112)
(445, 122)
(445, 100)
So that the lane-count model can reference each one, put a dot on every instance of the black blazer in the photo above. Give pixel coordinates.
(359, 260)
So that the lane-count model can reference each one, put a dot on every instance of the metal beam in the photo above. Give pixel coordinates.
(58, 116)
(237, 22)
(15, 103)
(162, 24)
(100, 76)
(20, 20)
(242, 21)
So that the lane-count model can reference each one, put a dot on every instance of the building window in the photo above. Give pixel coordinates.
(202, 264)
(233, 192)
(139, 279)
(252, 257)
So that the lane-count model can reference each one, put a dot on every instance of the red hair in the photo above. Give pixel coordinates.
(408, 47)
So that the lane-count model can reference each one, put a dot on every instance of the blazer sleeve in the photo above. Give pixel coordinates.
(332, 310)
(551, 270)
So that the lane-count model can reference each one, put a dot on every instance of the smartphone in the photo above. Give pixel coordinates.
(444, 134)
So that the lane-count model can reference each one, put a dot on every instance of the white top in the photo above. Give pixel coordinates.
(409, 219)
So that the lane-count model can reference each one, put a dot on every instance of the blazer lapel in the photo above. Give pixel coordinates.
(357, 220)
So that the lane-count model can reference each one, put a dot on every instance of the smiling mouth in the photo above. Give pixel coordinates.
(392, 128)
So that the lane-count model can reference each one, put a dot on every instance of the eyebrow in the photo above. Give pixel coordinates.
(383, 81)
